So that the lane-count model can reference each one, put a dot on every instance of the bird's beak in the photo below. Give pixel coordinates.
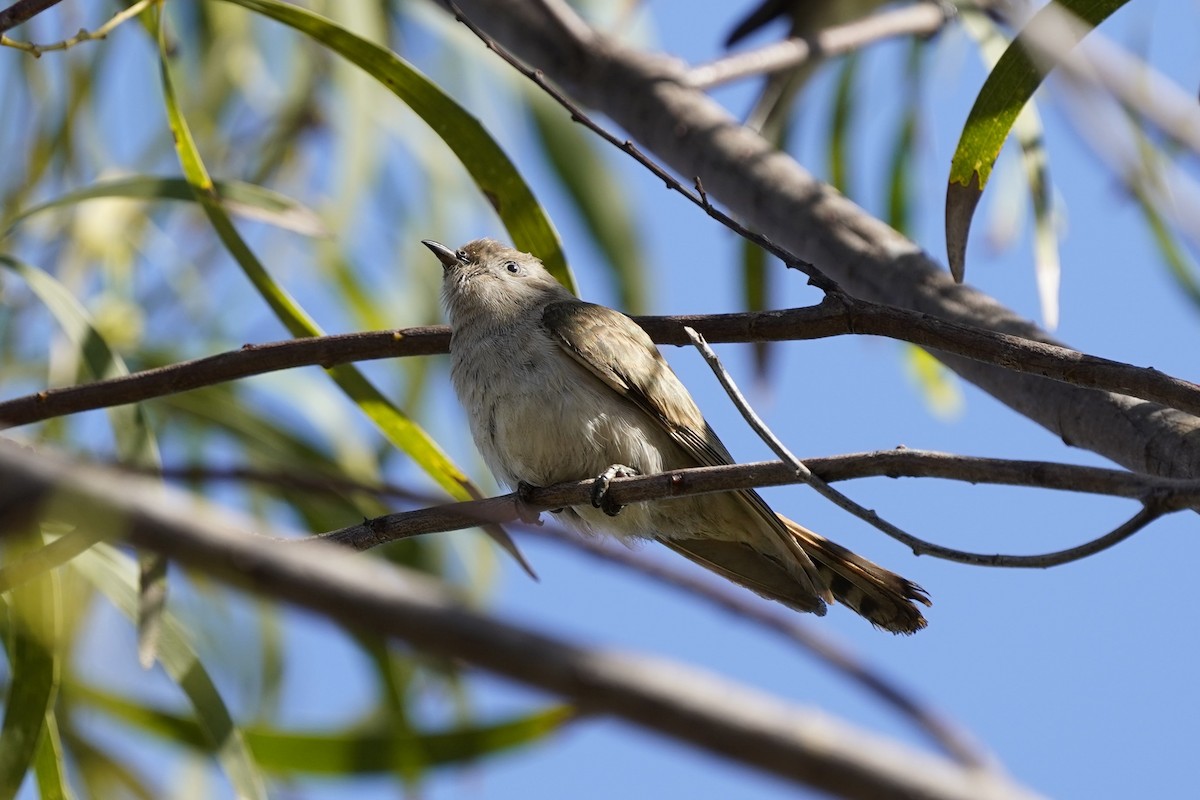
(443, 253)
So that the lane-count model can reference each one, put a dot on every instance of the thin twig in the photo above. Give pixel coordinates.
(825, 490)
(815, 276)
(748, 413)
(83, 35)
(902, 462)
(917, 19)
(834, 316)
(703, 480)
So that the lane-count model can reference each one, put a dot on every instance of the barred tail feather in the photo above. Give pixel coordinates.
(883, 598)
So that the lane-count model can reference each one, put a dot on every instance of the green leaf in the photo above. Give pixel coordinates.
(397, 426)
(604, 205)
(363, 749)
(899, 187)
(842, 122)
(755, 281)
(1007, 89)
(50, 765)
(114, 574)
(243, 199)
(33, 644)
(492, 171)
(1146, 183)
(1028, 131)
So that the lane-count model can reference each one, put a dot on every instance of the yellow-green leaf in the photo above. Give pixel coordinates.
(1007, 89)
(492, 171)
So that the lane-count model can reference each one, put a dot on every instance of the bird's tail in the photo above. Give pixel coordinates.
(883, 598)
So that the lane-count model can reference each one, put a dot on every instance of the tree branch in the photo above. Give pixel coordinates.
(836, 315)
(23, 10)
(83, 35)
(713, 714)
(917, 19)
(1157, 495)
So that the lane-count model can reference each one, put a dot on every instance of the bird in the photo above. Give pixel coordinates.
(557, 389)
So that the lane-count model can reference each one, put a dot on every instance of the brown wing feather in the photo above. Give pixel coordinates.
(616, 350)
(742, 564)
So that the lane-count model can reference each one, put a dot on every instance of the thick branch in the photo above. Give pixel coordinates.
(677, 701)
(647, 95)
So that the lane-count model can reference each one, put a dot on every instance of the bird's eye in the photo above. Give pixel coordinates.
(513, 267)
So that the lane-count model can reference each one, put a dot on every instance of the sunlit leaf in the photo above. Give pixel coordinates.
(491, 169)
(1008, 87)
(938, 384)
(244, 199)
(1028, 131)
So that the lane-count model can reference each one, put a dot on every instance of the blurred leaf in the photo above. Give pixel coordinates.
(34, 627)
(243, 199)
(493, 172)
(1007, 89)
(604, 205)
(841, 125)
(938, 384)
(1182, 266)
(101, 774)
(1147, 186)
(360, 750)
(397, 426)
(113, 574)
(755, 279)
(134, 437)
(17, 571)
(899, 189)
(50, 764)
(408, 762)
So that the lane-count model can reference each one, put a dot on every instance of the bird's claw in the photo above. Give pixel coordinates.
(600, 496)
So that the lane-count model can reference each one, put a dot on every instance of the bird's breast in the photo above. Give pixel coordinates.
(539, 417)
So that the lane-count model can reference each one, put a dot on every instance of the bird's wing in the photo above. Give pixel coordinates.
(744, 565)
(616, 350)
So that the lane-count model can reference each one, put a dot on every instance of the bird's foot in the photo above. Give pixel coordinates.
(600, 496)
